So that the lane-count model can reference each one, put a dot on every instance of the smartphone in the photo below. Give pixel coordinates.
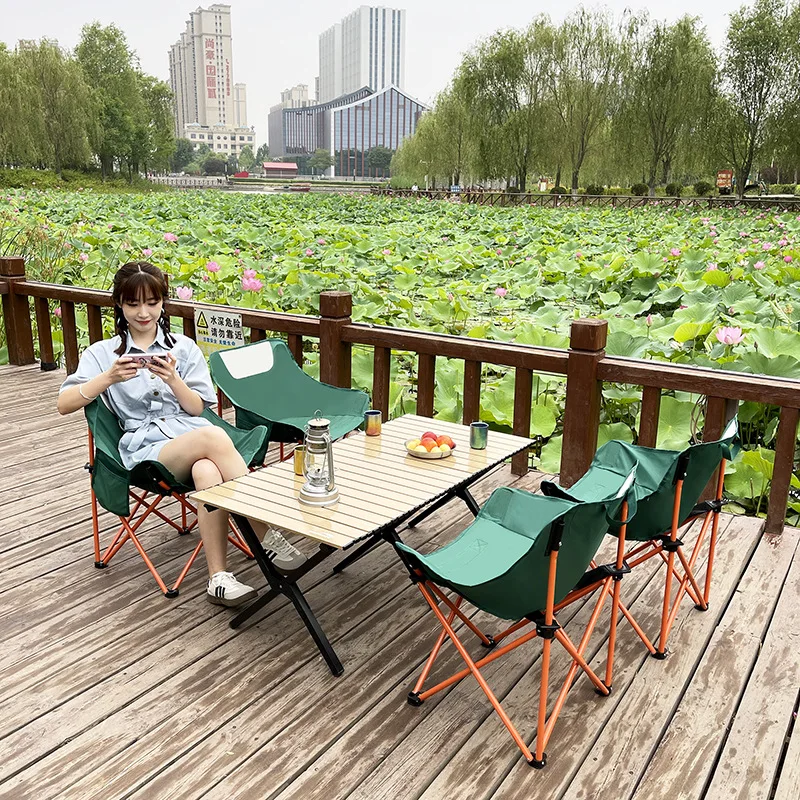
(142, 361)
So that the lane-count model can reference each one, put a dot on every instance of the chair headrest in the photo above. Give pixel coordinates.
(244, 362)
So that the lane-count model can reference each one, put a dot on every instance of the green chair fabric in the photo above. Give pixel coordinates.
(282, 394)
(656, 472)
(500, 563)
(111, 480)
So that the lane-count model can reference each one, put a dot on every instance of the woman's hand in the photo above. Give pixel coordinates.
(123, 369)
(165, 367)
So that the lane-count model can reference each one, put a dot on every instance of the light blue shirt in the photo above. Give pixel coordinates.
(146, 407)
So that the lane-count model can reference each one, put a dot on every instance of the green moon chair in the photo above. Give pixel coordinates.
(115, 488)
(525, 557)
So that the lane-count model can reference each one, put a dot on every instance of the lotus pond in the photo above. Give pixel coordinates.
(721, 290)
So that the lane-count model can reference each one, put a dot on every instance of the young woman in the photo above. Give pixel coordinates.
(159, 401)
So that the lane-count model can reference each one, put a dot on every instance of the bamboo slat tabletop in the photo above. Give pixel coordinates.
(378, 481)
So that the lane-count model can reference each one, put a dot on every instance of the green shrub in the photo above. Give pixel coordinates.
(703, 188)
(639, 189)
(595, 188)
(673, 190)
(616, 190)
(787, 188)
(558, 190)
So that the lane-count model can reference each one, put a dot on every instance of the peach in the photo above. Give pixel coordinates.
(445, 439)
(428, 444)
(445, 448)
(420, 449)
(428, 435)
(412, 443)
(436, 449)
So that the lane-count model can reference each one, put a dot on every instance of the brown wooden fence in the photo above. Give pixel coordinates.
(585, 365)
(597, 200)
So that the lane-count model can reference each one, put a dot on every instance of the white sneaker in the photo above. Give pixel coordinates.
(224, 590)
(283, 555)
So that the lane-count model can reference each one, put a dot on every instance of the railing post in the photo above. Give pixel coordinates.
(782, 470)
(16, 313)
(335, 309)
(587, 340)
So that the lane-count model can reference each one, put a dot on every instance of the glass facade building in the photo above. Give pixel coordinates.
(349, 127)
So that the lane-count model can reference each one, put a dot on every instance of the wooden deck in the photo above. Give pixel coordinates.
(109, 690)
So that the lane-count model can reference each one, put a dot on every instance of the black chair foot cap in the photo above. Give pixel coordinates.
(413, 699)
(490, 644)
(602, 693)
(701, 608)
(659, 655)
(536, 764)
(100, 564)
(184, 532)
(171, 593)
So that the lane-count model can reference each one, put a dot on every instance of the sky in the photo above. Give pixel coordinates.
(275, 44)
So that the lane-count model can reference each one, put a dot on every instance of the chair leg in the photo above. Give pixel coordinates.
(471, 666)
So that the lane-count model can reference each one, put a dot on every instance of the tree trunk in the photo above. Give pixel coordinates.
(651, 181)
(575, 174)
(558, 175)
(522, 179)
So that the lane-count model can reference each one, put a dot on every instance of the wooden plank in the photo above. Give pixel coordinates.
(70, 336)
(381, 367)
(687, 753)
(94, 315)
(472, 392)
(749, 761)
(648, 425)
(523, 391)
(789, 782)
(45, 333)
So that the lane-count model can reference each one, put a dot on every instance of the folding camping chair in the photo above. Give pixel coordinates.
(525, 557)
(113, 487)
(669, 484)
(268, 387)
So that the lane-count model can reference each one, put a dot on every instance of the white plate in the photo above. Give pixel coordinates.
(426, 454)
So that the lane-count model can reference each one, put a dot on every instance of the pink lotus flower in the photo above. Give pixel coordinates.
(309, 251)
(711, 267)
(766, 246)
(57, 311)
(500, 291)
(249, 273)
(252, 284)
(84, 257)
(170, 237)
(204, 278)
(236, 251)
(386, 251)
(578, 254)
(499, 251)
(450, 296)
(649, 320)
(742, 250)
(664, 259)
(743, 234)
(675, 251)
(788, 259)
(714, 240)
(110, 225)
(212, 266)
(184, 292)
(321, 241)
(759, 265)
(730, 336)
(147, 252)
(280, 292)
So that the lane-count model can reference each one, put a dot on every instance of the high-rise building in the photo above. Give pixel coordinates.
(296, 97)
(367, 48)
(201, 70)
(240, 105)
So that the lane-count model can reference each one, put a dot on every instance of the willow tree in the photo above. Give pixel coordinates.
(587, 58)
(505, 82)
(759, 80)
(668, 95)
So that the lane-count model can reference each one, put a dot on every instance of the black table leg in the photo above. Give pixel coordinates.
(287, 585)
(360, 551)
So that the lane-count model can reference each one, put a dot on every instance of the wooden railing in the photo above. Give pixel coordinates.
(596, 200)
(585, 366)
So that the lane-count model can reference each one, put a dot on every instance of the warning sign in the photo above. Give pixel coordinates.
(217, 330)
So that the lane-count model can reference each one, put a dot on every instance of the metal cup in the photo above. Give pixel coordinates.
(478, 434)
(372, 418)
(299, 457)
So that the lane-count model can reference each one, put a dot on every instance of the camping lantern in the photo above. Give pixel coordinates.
(319, 488)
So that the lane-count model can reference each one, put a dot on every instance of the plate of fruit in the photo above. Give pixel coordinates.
(431, 445)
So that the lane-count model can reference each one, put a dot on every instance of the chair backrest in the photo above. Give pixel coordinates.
(656, 478)
(514, 587)
(264, 382)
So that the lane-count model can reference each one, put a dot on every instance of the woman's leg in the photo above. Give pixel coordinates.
(209, 457)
